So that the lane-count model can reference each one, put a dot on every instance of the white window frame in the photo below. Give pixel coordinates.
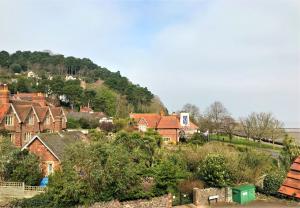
(9, 120)
(28, 136)
(31, 120)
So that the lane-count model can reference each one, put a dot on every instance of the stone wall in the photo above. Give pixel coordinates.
(157, 202)
(200, 196)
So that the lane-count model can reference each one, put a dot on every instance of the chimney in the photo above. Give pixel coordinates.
(58, 124)
(162, 113)
(4, 94)
(39, 98)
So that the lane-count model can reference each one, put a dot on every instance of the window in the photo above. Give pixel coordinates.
(142, 128)
(50, 168)
(47, 120)
(9, 120)
(31, 120)
(12, 137)
(27, 136)
(166, 139)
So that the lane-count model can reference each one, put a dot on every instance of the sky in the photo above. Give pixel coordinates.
(243, 53)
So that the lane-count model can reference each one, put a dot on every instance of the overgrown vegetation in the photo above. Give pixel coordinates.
(129, 166)
(17, 165)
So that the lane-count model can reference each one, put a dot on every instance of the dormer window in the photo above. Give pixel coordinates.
(31, 120)
(9, 120)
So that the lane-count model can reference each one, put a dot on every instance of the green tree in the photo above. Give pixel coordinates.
(289, 152)
(168, 173)
(73, 93)
(273, 181)
(16, 68)
(214, 172)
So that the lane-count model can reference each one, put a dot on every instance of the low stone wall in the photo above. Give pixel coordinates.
(200, 196)
(157, 202)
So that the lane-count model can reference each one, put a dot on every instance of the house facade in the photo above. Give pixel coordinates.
(50, 147)
(26, 114)
(170, 127)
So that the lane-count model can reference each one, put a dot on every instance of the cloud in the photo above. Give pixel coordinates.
(244, 53)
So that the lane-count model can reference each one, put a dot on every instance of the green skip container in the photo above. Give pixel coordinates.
(243, 194)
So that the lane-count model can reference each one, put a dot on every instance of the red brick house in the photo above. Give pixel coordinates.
(27, 114)
(50, 147)
(169, 127)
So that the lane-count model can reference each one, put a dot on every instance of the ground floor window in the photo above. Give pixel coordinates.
(166, 139)
(12, 137)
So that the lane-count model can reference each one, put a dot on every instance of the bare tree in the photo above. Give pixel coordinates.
(275, 130)
(261, 126)
(216, 112)
(228, 126)
(193, 110)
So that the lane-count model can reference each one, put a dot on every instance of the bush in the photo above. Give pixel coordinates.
(214, 171)
(73, 124)
(272, 182)
(198, 138)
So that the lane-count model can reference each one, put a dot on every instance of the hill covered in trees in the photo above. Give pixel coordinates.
(116, 95)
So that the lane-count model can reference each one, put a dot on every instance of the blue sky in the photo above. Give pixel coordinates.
(244, 53)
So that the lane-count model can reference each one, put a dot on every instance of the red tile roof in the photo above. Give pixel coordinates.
(152, 119)
(168, 122)
(291, 185)
(41, 112)
(23, 111)
(161, 122)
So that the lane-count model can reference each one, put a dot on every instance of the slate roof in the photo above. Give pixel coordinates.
(57, 142)
(291, 185)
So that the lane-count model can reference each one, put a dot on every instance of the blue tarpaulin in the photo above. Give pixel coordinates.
(44, 182)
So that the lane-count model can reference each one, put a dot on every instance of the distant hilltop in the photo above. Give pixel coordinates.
(115, 91)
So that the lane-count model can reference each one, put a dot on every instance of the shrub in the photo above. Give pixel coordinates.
(198, 138)
(214, 171)
(272, 182)
(73, 124)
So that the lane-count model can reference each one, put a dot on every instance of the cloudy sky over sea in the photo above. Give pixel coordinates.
(244, 53)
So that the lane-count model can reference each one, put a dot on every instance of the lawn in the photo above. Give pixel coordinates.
(240, 141)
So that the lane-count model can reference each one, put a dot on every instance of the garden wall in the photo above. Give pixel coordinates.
(200, 196)
(157, 202)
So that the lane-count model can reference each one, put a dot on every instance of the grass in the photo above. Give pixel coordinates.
(240, 141)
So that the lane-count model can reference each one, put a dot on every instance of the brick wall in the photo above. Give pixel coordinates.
(173, 134)
(37, 148)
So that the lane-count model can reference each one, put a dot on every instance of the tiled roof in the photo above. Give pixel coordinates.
(169, 122)
(152, 119)
(41, 112)
(56, 111)
(23, 111)
(291, 185)
(161, 122)
(24, 102)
